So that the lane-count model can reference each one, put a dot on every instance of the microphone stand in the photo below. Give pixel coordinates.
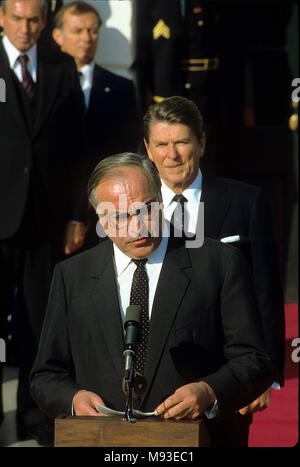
(128, 411)
(132, 326)
(129, 377)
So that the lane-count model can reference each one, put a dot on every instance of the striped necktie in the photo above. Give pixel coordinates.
(27, 80)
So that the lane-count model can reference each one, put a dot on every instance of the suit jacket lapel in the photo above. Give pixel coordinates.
(11, 94)
(94, 91)
(100, 91)
(170, 290)
(47, 87)
(106, 309)
(216, 204)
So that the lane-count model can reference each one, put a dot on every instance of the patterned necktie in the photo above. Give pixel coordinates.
(139, 295)
(177, 219)
(27, 80)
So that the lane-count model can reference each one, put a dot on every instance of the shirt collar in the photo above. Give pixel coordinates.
(122, 261)
(87, 72)
(14, 53)
(191, 193)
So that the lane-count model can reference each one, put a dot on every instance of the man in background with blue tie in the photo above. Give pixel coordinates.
(39, 181)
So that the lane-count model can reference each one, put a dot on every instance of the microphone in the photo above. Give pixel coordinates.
(132, 327)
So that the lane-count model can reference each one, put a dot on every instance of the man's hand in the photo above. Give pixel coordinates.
(84, 403)
(189, 401)
(261, 403)
(74, 236)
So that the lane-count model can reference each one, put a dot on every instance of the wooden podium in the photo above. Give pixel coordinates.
(89, 431)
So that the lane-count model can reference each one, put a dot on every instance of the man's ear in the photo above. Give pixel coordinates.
(57, 35)
(148, 150)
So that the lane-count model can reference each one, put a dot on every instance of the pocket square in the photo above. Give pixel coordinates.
(233, 238)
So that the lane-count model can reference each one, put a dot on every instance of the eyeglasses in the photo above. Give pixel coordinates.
(121, 220)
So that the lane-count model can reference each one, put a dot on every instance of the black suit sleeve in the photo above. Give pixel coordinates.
(75, 178)
(247, 371)
(131, 130)
(53, 375)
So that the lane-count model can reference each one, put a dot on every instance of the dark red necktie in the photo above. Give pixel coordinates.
(27, 80)
(139, 295)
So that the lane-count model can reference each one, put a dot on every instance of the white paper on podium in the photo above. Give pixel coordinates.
(136, 413)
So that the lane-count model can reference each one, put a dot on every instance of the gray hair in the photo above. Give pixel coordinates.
(44, 6)
(76, 8)
(110, 166)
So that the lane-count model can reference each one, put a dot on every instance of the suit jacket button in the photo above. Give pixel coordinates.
(107, 89)
(26, 170)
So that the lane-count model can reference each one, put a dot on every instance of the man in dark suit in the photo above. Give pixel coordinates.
(39, 176)
(111, 116)
(112, 123)
(204, 349)
(233, 212)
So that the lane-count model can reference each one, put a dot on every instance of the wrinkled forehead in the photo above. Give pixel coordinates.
(126, 189)
(162, 129)
(26, 8)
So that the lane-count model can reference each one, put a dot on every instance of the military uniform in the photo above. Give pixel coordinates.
(177, 50)
(179, 53)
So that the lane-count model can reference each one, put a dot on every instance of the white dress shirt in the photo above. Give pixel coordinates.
(14, 63)
(192, 194)
(86, 81)
(125, 267)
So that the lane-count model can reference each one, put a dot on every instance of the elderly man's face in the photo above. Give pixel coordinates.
(123, 201)
(23, 23)
(175, 150)
(78, 37)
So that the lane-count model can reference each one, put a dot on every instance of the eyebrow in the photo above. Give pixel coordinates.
(36, 17)
(177, 140)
